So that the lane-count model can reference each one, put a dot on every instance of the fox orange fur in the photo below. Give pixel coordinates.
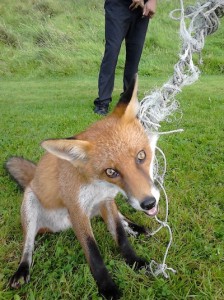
(79, 177)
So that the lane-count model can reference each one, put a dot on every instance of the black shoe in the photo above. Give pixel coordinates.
(101, 110)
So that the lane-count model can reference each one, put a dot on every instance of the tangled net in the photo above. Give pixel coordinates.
(204, 20)
(161, 104)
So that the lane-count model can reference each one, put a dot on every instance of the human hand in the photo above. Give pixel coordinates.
(137, 3)
(149, 8)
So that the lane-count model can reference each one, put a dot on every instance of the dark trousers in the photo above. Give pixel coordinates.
(120, 24)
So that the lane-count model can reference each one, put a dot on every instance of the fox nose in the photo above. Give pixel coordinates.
(148, 203)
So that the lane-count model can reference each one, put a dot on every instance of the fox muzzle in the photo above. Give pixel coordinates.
(148, 203)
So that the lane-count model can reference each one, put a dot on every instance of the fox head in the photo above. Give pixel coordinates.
(117, 151)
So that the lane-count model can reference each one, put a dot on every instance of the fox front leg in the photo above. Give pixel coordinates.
(132, 228)
(36, 219)
(29, 216)
(111, 216)
(83, 231)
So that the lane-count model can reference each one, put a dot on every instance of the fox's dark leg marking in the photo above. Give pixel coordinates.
(113, 220)
(83, 230)
(22, 272)
(104, 282)
(126, 249)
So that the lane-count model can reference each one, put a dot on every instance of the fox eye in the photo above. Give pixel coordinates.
(111, 173)
(141, 156)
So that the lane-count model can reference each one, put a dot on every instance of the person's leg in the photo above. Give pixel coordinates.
(117, 20)
(134, 42)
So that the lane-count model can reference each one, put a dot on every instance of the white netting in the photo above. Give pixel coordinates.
(161, 104)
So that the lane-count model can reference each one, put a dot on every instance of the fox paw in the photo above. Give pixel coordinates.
(22, 275)
(110, 291)
(140, 263)
(137, 263)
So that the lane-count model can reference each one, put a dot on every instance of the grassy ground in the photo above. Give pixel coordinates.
(44, 37)
(37, 109)
(49, 60)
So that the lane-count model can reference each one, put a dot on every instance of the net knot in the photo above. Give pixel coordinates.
(156, 269)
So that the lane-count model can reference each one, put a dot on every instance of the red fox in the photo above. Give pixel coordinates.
(79, 177)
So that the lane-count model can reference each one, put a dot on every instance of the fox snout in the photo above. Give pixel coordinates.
(148, 203)
(145, 198)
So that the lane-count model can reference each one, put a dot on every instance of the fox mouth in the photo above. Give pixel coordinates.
(152, 212)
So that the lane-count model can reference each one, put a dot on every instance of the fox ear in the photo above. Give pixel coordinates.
(71, 150)
(128, 105)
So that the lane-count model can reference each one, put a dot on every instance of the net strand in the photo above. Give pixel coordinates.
(160, 105)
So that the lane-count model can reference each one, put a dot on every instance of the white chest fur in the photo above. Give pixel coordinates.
(92, 195)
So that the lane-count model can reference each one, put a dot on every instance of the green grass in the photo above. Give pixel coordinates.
(32, 110)
(44, 37)
(49, 60)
